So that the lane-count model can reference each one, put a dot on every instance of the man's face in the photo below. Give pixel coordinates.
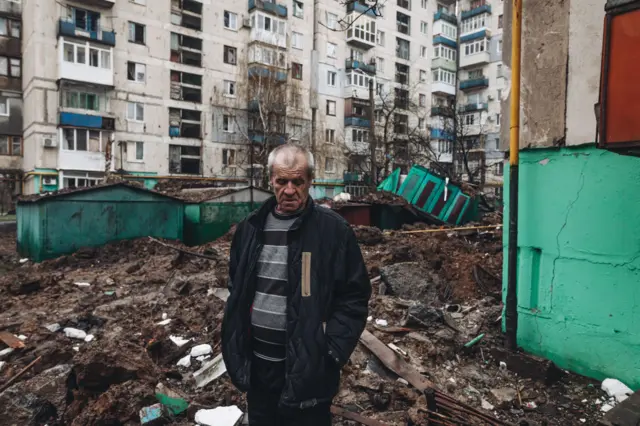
(291, 185)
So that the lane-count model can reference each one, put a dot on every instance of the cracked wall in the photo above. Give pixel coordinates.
(579, 260)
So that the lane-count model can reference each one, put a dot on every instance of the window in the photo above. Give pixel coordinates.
(331, 108)
(380, 65)
(230, 88)
(358, 79)
(357, 55)
(81, 100)
(332, 21)
(421, 123)
(500, 19)
(230, 20)
(424, 4)
(380, 38)
(80, 180)
(331, 78)
(228, 157)
(443, 76)
(136, 33)
(498, 119)
(329, 135)
(135, 111)
(497, 143)
(297, 70)
(499, 169)
(499, 95)
(267, 56)
(329, 165)
(230, 55)
(474, 74)
(476, 47)
(4, 106)
(402, 74)
(136, 72)
(359, 135)
(445, 147)
(423, 76)
(379, 88)
(11, 145)
(423, 51)
(405, 3)
(298, 9)
(227, 123)
(9, 27)
(499, 71)
(378, 115)
(296, 40)
(422, 100)
(184, 159)
(332, 50)
(403, 23)
(424, 28)
(10, 67)
(402, 48)
(469, 119)
(139, 151)
(82, 139)
(475, 23)
(499, 46)
(445, 52)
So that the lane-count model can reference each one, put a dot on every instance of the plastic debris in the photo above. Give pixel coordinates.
(171, 400)
(185, 362)
(220, 416)
(74, 333)
(210, 371)
(531, 405)
(616, 389)
(179, 341)
(164, 315)
(164, 322)
(52, 327)
(89, 338)
(584, 401)
(76, 348)
(474, 341)
(382, 322)
(151, 413)
(369, 319)
(403, 381)
(204, 349)
(82, 284)
(606, 407)
(583, 420)
(109, 293)
(25, 260)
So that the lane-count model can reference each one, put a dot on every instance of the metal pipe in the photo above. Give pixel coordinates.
(511, 310)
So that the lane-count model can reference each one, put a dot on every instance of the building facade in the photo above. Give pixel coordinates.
(198, 88)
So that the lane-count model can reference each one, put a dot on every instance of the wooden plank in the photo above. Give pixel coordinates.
(355, 417)
(393, 362)
(11, 340)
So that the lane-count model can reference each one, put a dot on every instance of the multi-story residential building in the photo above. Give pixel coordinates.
(10, 102)
(481, 82)
(192, 88)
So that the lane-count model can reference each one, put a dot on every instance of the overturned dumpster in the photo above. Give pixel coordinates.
(440, 200)
(210, 219)
(52, 225)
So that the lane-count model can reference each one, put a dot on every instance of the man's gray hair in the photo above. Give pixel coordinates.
(289, 156)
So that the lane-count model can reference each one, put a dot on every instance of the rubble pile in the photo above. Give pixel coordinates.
(129, 333)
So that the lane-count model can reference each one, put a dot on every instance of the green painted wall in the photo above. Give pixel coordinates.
(579, 260)
(63, 224)
(206, 222)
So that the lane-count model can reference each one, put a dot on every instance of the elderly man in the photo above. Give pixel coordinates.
(298, 302)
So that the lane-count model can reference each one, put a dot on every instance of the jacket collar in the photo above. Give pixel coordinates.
(258, 218)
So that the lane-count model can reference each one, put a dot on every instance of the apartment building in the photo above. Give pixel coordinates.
(481, 85)
(193, 88)
(10, 102)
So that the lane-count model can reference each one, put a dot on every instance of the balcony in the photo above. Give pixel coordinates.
(481, 106)
(361, 9)
(268, 6)
(77, 62)
(474, 83)
(444, 63)
(263, 71)
(478, 58)
(445, 16)
(444, 40)
(485, 8)
(441, 110)
(268, 37)
(476, 35)
(11, 8)
(257, 136)
(275, 107)
(362, 31)
(440, 88)
(69, 29)
(354, 178)
(442, 134)
(357, 122)
(351, 64)
(86, 121)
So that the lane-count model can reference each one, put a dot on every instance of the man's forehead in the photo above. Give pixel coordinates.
(290, 162)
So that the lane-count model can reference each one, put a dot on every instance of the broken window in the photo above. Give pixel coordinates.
(136, 72)
(230, 55)
(184, 159)
(229, 88)
(136, 33)
(229, 157)
(331, 108)
(297, 70)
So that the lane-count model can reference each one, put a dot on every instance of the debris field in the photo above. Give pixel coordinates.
(129, 333)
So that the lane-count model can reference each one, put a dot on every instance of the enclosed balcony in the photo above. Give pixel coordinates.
(442, 110)
(69, 28)
(445, 16)
(85, 62)
(444, 63)
(352, 64)
(485, 8)
(474, 83)
(475, 59)
(269, 7)
(361, 31)
(10, 8)
(265, 72)
(442, 134)
(357, 122)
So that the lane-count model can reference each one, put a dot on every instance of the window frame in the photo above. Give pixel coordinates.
(224, 20)
(296, 71)
(329, 106)
(132, 26)
(332, 78)
(137, 145)
(226, 52)
(135, 118)
(229, 87)
(10, 140)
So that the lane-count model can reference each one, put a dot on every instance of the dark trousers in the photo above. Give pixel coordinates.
(264, 411)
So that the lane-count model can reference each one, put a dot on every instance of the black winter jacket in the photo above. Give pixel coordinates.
(339, 296)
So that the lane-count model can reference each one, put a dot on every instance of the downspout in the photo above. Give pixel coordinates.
(314, 85)
(511, 310)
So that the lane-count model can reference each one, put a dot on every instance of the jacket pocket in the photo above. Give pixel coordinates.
(306, 274)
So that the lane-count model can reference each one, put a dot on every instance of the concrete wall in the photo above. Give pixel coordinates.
(579, 257)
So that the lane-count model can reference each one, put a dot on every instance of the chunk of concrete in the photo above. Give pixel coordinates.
(210, 371)
(411, 281)
(220, 416)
